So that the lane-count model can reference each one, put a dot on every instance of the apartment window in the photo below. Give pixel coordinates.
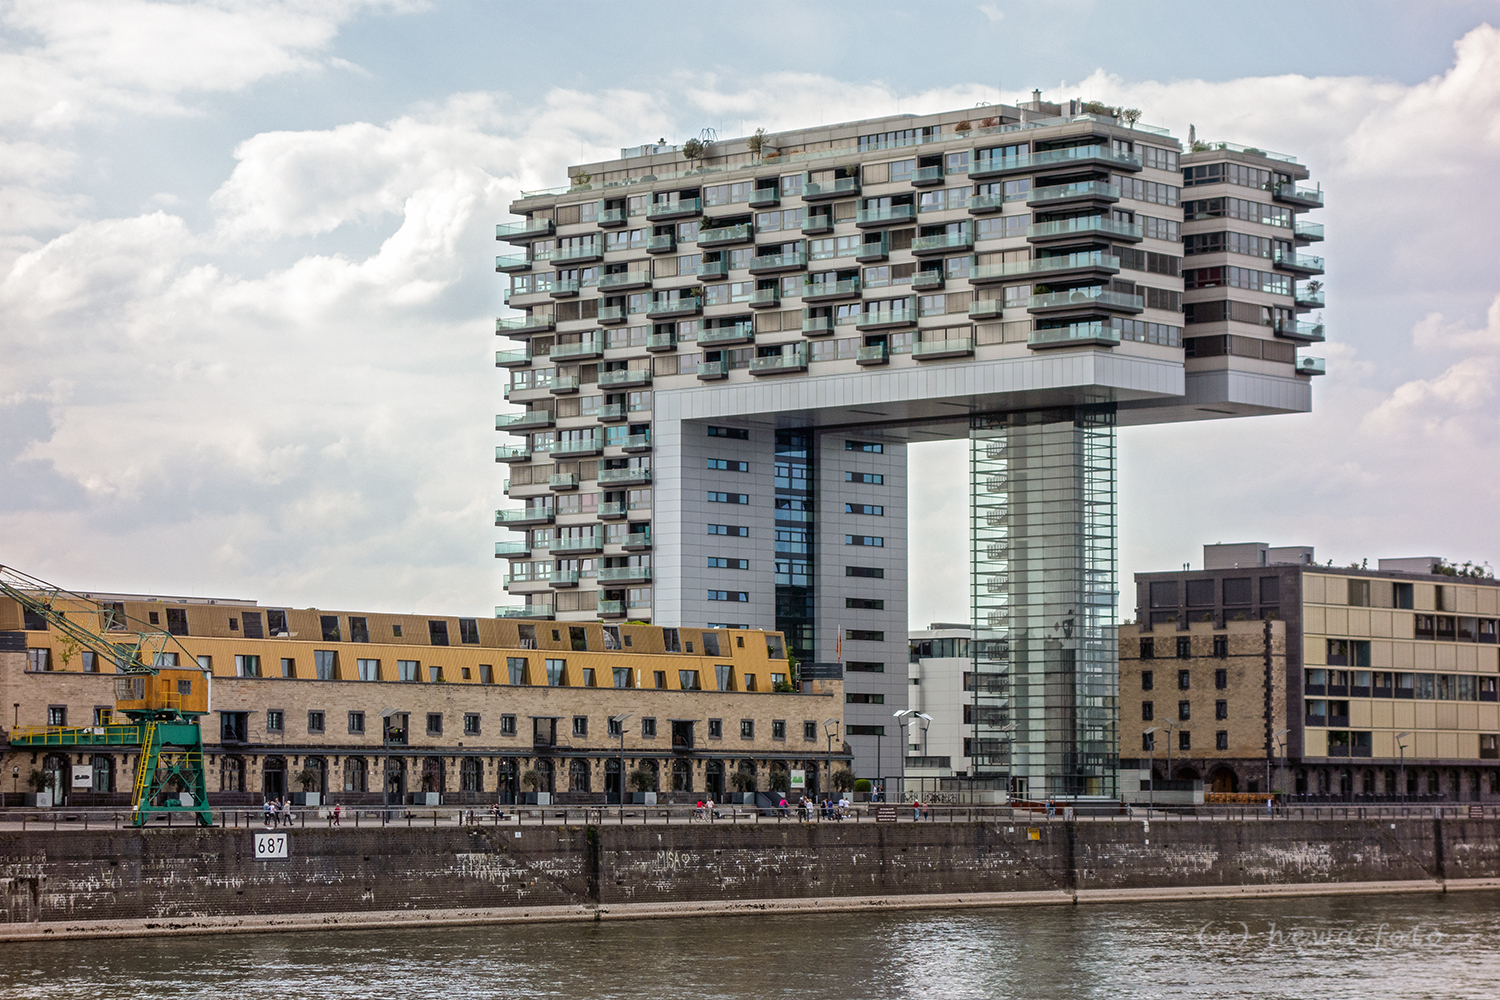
(1221, 646)
(288, 667)
(556, 672)
(1359, 593)
(326, 664)
(1148, 649)
(778, 729)
(369, 670)
(1184, 740)
(659, 679)
(1221, 709)
(863, 635)
(736, 530)
(316, 721)
(747, 729)
(864, 603)
(1184, 711)
(234, 624)
(177, 623)
(735, 433)
(396, 631)
(580, 725)
(868, 447)
(434, 674)
(734, 596)
(57, 715)
(720, 562)
(1148, 711)
(515, 666)
(468, 631)
(866, 572)
(330, 628)
(246, 666)
(863, 698)
(90, 662)
(507, 725)
(471, 723)
(1402, 595)
(1221, 740)
(275, 721)
(1184, 680)
(873, 541)
(728, 465)
(434, 723)
(809, 731)
(356, 723)
(437, 632)
(486, 673)
(687, 680)
(871, 509)
(1148, 680)
(613, 726)
(715, 496)
(648, 728)
(234, 727)
(1148, 742)
(868, 478)
(1184, 647)
(40, 660)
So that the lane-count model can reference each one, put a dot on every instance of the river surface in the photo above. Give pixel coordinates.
(1326, 948)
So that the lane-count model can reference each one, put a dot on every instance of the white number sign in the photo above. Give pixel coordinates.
(270, 847)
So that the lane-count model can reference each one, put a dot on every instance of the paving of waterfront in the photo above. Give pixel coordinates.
(1404, 946)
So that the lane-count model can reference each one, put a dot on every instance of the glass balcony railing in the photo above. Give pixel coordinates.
(584, 251)
(573, 447)
(1096, 260)
(611, 609)
(524, 324)
(612, 314)
(504, 550)
(1310, 231)
(820, 223)
(625, 378)
(1298, 262)
(687, 305)
(524, 515)
(635, 442)
(765, 297)
(708, 370)
(1075, 334)
(874, 249)
(1300, 195)
(927, 281)
(890, 213)
(878, 355)
(529, 229)
(979, 204)
(563, 289)
(794, 359)
(512, 453)
(624, 574)
(563, 481)
(848, 288)
(613, 217)
(765, 197)
(886, 317)
(661, 244)
(523, 421)
(1310, 299)
(610, 412)
(986, 309)
(924, 176)
(1102, 190)
(636, 540)
(817, 324)
(542, 611)
(569, 544)
(613, 510)
(835, 188)
(564, 578)
(733, 333)
(778, 261)
(1053, 157)
(624, 476)
(563, 384)
(712, 270)
(725, 234)
(1088, 297)
(942, 241)
(512, 359)
(1312, 366)
(625, 279)
(582, 349)
(513, 262)
(1084, 224)
(1297, 330)
(674, 209)
(661, 342)
(952, 348)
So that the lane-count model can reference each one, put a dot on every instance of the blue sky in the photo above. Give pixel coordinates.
(246, 308)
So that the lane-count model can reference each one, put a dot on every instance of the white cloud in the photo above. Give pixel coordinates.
(993, 12)
(1434, 332)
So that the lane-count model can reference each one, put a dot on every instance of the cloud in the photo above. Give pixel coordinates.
(1434, 333)
(993, 12)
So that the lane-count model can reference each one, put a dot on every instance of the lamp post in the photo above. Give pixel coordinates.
(901, 718)
(1402, 747)
(1150, 735)
(1281, 744)
(619, 721)
(385, 739)
(1170, 727)
(926, 721)
(829, 726)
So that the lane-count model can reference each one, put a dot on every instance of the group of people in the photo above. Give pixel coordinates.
(278, 812)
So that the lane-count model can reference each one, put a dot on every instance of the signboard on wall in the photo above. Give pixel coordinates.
(83, 777)
(271, 847)
(799, 780)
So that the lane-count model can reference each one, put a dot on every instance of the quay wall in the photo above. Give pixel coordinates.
(53, 878)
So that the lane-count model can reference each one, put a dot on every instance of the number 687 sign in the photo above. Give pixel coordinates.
(270, 847)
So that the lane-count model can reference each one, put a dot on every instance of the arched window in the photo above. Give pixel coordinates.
(432, 774)
(471, 774)
(506, 771)
(682, 775)
(273, 777)
(546, 780)
(713, 778)
(356, 775)
(578, 776)
(232, 774)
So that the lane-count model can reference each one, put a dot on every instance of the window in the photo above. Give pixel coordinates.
(778, 729)
(736, 433)
(648, 727)
(719, 497)
(1402, 594)
(659, 678)
(556, 673)
(507, 725)
(1221, 679)
(437, 632)
(580, 725)
(369, 670)
(234, 727)
(1148, 680)
(1184, 740)
(356, 723)
(326, 664)
(735, 596)
(687, 680)
(1184, 680)
(737, 530)
(1148, 711)
(1221, 740)
(57, 715)
(515, 666)
(863, 635)
(728, 465)
(396, 631)
(1184, 711)
(1148, 742)
(1359, 593)
(246, 666)
(863, 698)
(874, 541)
(275, 721)
(40, 660)
(288, 667)
(1148, 649)
(867, 572)
(330, 627)
(468, 631)
(177, 623)
(434, 723)
(1221, 646)
(810, 731)
(747, 729)
(1184, 647)
(720, 562)
(868, 478)
(864, 603)
(316, 722)
(486, 673)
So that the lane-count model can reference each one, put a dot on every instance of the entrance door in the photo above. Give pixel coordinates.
(273, 784)
(612, 782)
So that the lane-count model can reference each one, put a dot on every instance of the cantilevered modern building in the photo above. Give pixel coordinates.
(724, 358)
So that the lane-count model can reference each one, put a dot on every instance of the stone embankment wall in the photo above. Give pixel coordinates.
(179, 874)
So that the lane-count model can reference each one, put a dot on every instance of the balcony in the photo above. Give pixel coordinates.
(1067, 194)
(658, 342)
(578, 447)
(1073, 265)
(712, 371)
(986, 309)
(579, 254)
(680, 209)
(1311, 366)
(872, 218)
(624, 574)
(1089, 225)
(765, 197)
(526, 421)
(610, 315)
(624, 477)
(563, 289)
(523, 516)
(793, 358)
(816, 326)
(611, 218)
(613, 511)
(1304, 333)
(873, 251)
(524, 326)
(875, 319)
(767, 263)
(828, 291)
(511, 263)
(1308, 232)
(713, 270)
(880, 354)
(726, 235)
(1302, 197)
(563, 578)
(1308, 299)
(1298, 263)
(512, 359)
(927, 281)
(687, 305)
(927, 177)
(562, 385)
(540, 611)
(986, 204)
(943, 243)
(932, 350)
(522, 232)
(839, 187)
(512, 550)
(765, 298)
(563, 481)
(812, 225)
(583, 350)
(666, 243)
(612, 413)
(723, 336)
(512, 453)
(582, 544)
(998, 166)
(623, 280)
(611, 609)
(1075, 335)
(1085, 298)
(636, 541)
(628, 378)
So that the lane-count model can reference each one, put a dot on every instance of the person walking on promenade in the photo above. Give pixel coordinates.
(268, 811)
(916, 809)
(708, 809)
(337, 812)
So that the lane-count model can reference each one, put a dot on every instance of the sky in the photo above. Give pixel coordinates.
(247, 300)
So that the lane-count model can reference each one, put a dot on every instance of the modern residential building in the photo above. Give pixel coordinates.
(940, 729)
(724, 356)
(461, 708)
(1388, 688)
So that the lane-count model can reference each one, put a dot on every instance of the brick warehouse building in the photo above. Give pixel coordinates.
(472, 705)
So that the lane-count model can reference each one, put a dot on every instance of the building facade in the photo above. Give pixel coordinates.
(723, 359)
(469, 709)
(1390, 676)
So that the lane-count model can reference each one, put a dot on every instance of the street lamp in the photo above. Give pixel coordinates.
(926, 721)
(829, 726)
(1151, 767)
(619, 722)
(1281, 742)
(901, 718)
(1170, 727)
(386, 733)
(1402, 747)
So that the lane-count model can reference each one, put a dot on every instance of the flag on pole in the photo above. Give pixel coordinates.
(838, 646)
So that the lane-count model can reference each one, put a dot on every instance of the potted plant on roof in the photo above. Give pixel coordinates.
(756, 143)
(964, 125)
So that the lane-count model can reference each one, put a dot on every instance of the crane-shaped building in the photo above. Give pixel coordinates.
(161, 700)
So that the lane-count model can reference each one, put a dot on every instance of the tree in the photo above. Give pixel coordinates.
(531, 779)
(582, 179)
(1130, 116)
(780, 781)
(642, 780)
(1471, 570)
(694, 149)
(843, 781)
(964, 125)
(862, 785)
(309, 778)
(38, 780)
(743, 781)
(757, 142)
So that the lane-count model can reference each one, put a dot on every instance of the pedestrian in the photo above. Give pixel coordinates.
(286, 811)
(708, 809)
(268, 811)
(926, 810)
(337, 813)
(916, 809)
(809, 809)
(1269, 809)
(1051, 809)
(783, 805)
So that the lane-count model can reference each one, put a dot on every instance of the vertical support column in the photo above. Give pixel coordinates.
(1043, 532)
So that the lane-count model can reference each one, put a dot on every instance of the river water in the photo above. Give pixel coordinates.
(1327, 948)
